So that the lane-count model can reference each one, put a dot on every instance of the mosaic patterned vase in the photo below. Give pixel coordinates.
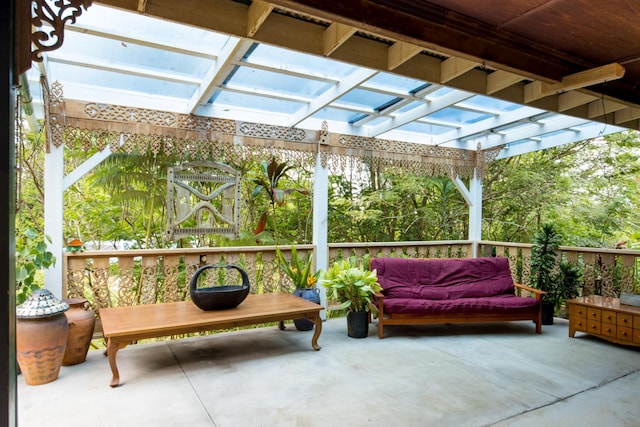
(41, 337)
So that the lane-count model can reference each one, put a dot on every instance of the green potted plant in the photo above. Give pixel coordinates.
(558, 278)
(353, 287)
(32, 257)
(299, 270)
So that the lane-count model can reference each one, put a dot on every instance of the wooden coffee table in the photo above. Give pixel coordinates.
(123, 325)
(606, 318)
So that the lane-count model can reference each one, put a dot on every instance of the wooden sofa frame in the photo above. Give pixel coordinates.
(418, 319)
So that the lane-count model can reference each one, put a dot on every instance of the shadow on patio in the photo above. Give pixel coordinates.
(446, 375)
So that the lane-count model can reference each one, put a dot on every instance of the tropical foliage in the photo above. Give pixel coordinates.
(269, 183)
(32, 256)
(298, 269)
(351, 284)
(589, 189)
(558, 278)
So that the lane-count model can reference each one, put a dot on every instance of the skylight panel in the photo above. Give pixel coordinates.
(366, 98)
(410, 106)
(73, 75)
(484, 102)
(256, 103)
(399, 83)
(286, 60)
(424, 128)
(271, 81)
(97, 50)
(126, 25)
(337, 115)
(460, 116)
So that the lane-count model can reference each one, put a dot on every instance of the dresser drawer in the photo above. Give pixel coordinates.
(609, 330)
(578, 311)
(609, 316)
(636, 336)
(625, 333)
(579, 324)
(624, 319)
(636, 322)
(593, 326)
(594, 314)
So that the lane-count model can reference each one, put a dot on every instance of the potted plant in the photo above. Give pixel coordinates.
(299, 270)
(32, 257)
(558, 278)
(354, 287)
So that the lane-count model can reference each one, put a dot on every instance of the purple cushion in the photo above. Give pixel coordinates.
(502, 304)
(443, 279)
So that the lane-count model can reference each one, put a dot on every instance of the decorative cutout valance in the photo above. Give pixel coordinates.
(138, 130)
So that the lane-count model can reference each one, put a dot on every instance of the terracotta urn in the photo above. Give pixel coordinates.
(81, 321)
(41, 337)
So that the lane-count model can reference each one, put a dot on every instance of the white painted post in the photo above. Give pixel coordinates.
(475, 212)
(53, 215)
(473, 197)
(320, 223)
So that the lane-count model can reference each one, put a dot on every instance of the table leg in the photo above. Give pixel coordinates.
(112, 349)
(316, 332)
(281, 325)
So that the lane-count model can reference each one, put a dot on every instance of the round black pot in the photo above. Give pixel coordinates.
(548, 310)
(310, 294)
(358, 324)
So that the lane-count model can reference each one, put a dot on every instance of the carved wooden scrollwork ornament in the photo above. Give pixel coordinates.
(49, 19)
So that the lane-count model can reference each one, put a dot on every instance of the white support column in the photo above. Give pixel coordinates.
(473, 197)
(53, 216)
(475, 213)
(320, 223)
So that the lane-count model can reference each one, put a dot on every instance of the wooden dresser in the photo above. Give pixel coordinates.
(606, 318)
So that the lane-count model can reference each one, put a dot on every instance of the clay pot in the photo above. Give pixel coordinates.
(81, 321)
(41, 337)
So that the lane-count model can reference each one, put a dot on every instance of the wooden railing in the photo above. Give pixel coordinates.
(129, 277)
(605, 272)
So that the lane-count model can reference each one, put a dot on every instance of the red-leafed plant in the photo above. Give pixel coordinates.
(269, 183)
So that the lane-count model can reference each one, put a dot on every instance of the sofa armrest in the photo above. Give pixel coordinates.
(538, 293)
(377, 305)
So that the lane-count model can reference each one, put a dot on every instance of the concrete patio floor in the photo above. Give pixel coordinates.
(499, 374)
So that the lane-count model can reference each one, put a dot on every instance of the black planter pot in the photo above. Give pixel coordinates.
(310, 294)
(548, 310)
(358, 324)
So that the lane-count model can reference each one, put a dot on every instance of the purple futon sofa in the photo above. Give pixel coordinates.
(451, 290)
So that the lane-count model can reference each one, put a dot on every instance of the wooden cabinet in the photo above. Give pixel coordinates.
(606, 318)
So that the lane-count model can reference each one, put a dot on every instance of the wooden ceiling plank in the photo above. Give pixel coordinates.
(605, 73)
(335, 36)
(500, 79)
(626, 115)
(601, 107)
(258, 13)
(454, 67)
(573, 99)
(400, 52)
(533, 91)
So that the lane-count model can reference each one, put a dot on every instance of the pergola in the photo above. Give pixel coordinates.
(415, 81)
(266, 75)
